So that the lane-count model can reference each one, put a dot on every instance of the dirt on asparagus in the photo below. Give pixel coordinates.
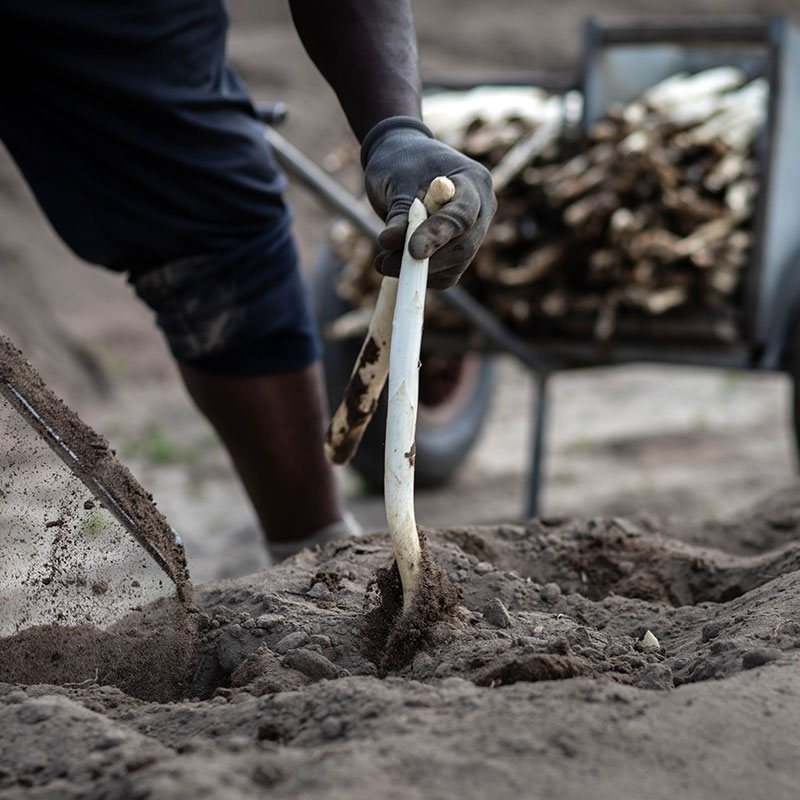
(543, 684)
(392, 636)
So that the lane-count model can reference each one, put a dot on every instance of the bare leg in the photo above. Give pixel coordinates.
(273, 427)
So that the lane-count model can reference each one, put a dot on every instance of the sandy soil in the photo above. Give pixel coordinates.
(543, 687)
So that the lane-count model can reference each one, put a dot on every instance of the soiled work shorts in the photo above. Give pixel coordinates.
(144, 152)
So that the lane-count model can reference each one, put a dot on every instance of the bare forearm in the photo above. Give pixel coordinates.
(366, 50)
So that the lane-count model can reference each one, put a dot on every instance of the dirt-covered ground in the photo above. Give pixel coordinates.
(542, 687)
(545, 685)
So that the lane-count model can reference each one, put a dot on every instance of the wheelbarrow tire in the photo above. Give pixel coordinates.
(455, 393)
(791, 363)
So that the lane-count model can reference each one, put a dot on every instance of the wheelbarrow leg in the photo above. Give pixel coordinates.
(537, 446)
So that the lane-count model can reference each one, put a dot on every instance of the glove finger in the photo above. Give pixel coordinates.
(395, 222)
(388, 263)
(393, 236)
(456, 256)
(449, 222)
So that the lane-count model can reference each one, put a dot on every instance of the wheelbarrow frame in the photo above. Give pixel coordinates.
(620, 61)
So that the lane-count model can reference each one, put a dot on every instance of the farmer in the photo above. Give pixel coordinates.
(143, 149)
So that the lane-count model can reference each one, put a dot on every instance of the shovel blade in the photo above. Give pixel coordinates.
(64, 559)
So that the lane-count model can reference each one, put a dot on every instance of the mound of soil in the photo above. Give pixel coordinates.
(544, 683)
(149, 654)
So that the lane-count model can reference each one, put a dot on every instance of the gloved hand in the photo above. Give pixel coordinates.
(400, 158)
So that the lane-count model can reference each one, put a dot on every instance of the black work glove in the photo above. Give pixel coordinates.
(400, 158)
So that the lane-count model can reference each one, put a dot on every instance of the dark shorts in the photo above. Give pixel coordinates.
(144, 152)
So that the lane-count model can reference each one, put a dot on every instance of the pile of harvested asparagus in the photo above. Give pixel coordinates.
(650, 212)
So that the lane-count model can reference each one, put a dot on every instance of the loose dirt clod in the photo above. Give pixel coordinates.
(148, 654)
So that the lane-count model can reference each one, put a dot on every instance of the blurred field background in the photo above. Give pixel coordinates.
(684, 443)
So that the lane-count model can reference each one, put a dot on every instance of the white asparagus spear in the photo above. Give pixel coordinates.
(682, 88)
(524, 151)
(401, 420)
(372, 365)
(449, 114)
(440, 192)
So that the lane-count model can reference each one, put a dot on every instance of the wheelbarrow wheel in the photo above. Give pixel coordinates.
(455, 392)
(791, 363)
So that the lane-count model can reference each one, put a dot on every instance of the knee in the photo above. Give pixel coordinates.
(240, 311)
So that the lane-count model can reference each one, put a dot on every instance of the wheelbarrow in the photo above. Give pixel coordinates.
(620, 62)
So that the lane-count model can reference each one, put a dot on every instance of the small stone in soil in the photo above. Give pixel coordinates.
(291, 642)
(711, 631)
(759, 656)
(422, 666)
(657, 676)
(495, 613)
(269, 621)
(319, 591)
(551, 592)
(310, 663)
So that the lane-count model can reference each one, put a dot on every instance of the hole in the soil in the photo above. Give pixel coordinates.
(648, 571)
(472, 544)
(598, 563)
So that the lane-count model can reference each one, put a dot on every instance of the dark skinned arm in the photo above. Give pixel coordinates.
(366, 50)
